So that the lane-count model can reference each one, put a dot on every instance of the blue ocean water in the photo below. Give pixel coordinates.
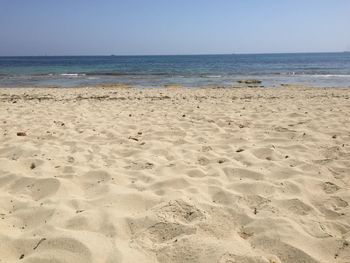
(317, 69)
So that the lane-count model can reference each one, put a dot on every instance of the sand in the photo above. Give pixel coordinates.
(174, 175)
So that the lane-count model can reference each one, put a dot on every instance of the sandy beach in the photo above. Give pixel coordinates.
(118, 174)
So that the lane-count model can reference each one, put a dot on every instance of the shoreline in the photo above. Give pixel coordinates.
(234, 85)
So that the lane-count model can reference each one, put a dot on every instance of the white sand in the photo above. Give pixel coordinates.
(175, 175)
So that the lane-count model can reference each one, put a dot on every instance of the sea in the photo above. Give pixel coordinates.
(314, 69)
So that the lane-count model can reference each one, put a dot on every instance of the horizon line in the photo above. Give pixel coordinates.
(194, 54)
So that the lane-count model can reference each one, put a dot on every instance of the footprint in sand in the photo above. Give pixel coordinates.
(330, 188)
(37, 189)
(164, 231)
(232, 258)
(295, 206)
(179, 211)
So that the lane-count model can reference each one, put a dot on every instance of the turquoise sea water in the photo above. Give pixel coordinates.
(318, 69)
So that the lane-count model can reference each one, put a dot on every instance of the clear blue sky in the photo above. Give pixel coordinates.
(122, 27)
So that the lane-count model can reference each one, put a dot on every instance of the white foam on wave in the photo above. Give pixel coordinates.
(333, 76)
(71, 75)
(323, 75)
(213, 76)
(315, 75)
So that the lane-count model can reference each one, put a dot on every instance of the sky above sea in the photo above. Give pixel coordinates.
(138, 27)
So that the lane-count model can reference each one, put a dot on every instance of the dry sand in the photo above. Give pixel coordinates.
(175, 175)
